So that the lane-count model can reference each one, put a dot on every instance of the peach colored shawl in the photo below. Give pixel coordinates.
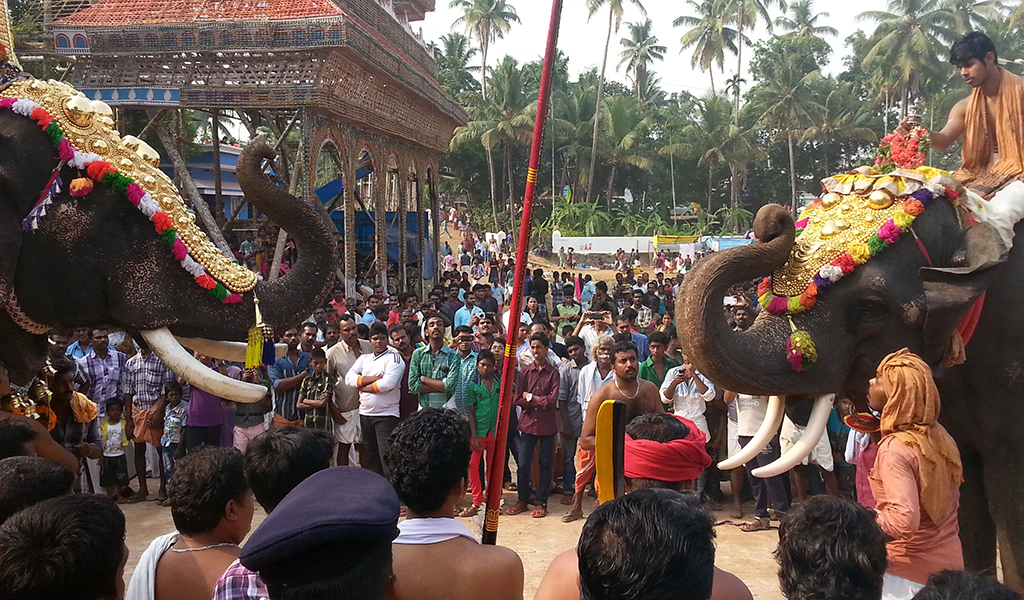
(911, 415)
(977, 172)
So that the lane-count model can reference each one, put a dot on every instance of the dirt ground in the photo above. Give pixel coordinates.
(538, 541)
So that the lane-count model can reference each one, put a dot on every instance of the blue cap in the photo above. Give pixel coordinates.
(328, 524)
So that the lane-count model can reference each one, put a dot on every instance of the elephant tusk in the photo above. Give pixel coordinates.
(810, 438)
(232, 351)
(177, 359)
(769, 427)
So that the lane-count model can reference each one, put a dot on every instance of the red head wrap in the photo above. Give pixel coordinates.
(676, 460)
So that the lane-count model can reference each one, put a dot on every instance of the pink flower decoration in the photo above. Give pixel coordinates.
(796, 360)
(135, 193)
(6, 102)
(778, 305)
(66, 152)
(179, 250)
(233, 298)
(802, 223)
(890, 232)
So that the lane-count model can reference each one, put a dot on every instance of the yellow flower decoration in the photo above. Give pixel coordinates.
(859, 252)
(902, 219)
(793, 305)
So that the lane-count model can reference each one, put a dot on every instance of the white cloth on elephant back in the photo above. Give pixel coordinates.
(821, 455)
(1003, 211)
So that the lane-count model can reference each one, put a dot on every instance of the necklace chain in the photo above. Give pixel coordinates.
(220, 545)
(624, 393)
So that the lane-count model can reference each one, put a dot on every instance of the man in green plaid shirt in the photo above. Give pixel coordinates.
(431, 365)
(463, 369)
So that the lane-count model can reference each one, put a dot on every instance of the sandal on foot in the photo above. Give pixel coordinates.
(511, 486)
(163, 502)
(518, 507)
(136, 498)
(756, 525)
(566, 500)
(541, 512)
(570, 517)
(470, 511)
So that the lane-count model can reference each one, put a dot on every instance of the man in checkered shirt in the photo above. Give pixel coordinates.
(144, 379)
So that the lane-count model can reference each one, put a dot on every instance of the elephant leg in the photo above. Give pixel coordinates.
(1003, 485)
(977, 529)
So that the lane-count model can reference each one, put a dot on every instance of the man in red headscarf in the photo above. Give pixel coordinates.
(662, 451)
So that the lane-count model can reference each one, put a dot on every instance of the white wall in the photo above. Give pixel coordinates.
(601, 245)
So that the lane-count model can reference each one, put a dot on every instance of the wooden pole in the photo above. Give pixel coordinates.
(218, 200)
(495, 474)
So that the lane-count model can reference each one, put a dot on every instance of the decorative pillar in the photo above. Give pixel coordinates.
(349, 189)
(435, 211)
(380, 230)
(403, 234)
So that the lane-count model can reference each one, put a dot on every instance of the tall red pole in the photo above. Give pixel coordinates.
(490, 535)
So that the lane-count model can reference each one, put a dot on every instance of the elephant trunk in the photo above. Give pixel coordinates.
(286, 301)
(752, 362)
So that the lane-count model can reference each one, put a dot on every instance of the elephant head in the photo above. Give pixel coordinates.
(97, 260)
(898, 299)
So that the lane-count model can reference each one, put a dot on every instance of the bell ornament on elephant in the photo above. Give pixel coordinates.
(903, 271)
(93, 233)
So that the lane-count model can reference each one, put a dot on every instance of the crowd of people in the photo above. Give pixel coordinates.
(409, 391)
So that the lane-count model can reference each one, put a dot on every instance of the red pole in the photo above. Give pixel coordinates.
(497, 469)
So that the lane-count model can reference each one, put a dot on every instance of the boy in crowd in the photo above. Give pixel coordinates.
(315, 393)
(430, 458)
(657, 365)
(484, 394)
(173, 437)
(114, 436)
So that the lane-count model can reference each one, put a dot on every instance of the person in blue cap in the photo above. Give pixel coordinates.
(329, 539)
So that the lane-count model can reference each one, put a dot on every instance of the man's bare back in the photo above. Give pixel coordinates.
(457, 569)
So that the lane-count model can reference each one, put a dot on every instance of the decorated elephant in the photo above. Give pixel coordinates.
(911, 286)
(93, 233)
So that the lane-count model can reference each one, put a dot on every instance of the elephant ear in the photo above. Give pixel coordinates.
(951, 292)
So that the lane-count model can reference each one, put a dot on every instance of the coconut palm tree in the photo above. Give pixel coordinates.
(803, 21)
(453, 68)
(969, 15)
(786, 104)
(504, 118)
(909, 34)
(616, 8)
(842, 116)
(488, 20)
(747, 14)
(719, 141)
(709, 35)
(639, 51)
(623, 132)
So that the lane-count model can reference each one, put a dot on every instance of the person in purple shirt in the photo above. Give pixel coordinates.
(205, 415)
(537, 394)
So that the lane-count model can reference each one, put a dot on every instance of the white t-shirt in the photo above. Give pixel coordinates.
(384, 402)
(750, 412)
(113, 442)
(688, 402)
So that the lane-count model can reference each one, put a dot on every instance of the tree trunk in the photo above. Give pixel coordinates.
(672, 171)
(792, 174)
(739, 64)
(218, 199)
(597, 109)
(494, 194)
(508, 171)
(483, 62)
(709, 188)
(711, 74)
(906, 99)
(192, 192)
(611, 186)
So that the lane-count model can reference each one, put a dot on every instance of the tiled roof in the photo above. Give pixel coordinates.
(115, 13)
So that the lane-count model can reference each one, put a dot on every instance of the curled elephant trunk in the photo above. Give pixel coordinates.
(736, 361)
(284, 302)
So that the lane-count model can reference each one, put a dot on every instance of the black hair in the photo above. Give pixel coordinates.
(461, 329)
(13, 437)
(500, 340)
(671, 332)
(652, 544)
(381, 311)
(282, 458)
(202, 485)
(657, 427)
(628, 314)
(63, 366)
(428, 453)
(317, 353)
(345, 317)
(173, 386)
(69, 547)
(569, 288)
(624, 346)
(309, 324)
(379, 329)
(368, 580)
(397, 327)
(659, 337)
(542, 322)
(574, 340)
(831, 548)
(602, 286)
(114, 402)
(973, 46)
(335, 325)
(539, 337)
(485, 355)
(28, 480)
(961, 585)
(405, 296)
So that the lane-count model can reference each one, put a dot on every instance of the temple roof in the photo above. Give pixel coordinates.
(115, 13)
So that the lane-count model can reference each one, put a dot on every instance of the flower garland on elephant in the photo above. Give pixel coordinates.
(901, 196)
(100, 171)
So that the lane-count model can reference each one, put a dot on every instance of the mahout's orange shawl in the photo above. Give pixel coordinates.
(977, 172)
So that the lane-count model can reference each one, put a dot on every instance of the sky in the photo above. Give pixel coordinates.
(583, 40)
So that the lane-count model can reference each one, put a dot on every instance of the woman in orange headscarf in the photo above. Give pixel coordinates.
(916, 477)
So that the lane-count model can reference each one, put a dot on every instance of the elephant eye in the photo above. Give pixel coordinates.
(870, 309)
